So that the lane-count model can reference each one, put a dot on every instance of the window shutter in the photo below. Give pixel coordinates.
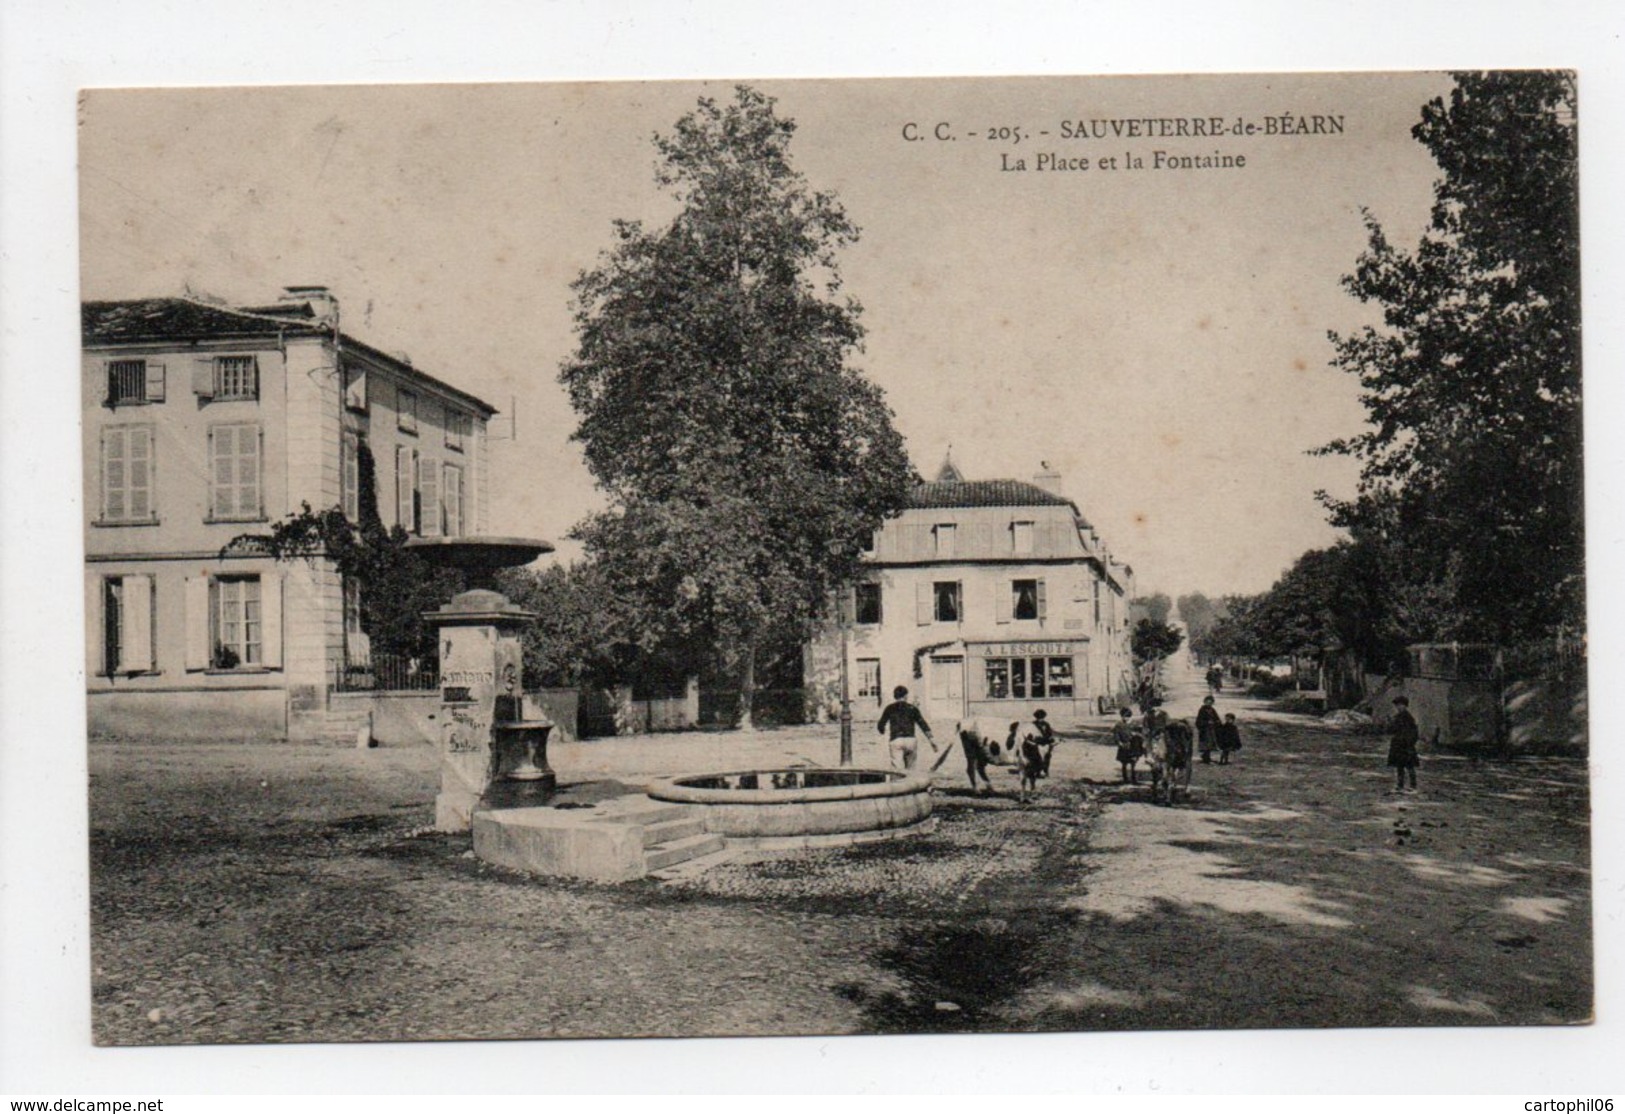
(271, 620)
(257, 471)
(155, 381)
(197, 622)
(1003, 593)
(113, 466)
(959, 600)
(404, 470)
(1042, 605)
(429, 485)
(923, 603)
(109, 393)
(203, 378)
(453, 494)
(139, 474)
(136, 637)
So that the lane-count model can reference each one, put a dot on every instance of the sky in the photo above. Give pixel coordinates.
(1157, 335)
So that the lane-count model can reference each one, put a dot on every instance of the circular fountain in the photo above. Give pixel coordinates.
(805, 806)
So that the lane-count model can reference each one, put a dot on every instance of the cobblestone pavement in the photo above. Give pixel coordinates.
(276, 893)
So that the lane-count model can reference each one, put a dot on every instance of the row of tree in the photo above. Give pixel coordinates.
(1468, 520)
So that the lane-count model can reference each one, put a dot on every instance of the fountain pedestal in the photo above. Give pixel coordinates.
(486, 741)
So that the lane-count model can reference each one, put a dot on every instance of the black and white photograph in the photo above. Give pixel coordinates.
(575, 561)
(834, 557)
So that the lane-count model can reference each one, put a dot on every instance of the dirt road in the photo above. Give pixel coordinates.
(274, 893)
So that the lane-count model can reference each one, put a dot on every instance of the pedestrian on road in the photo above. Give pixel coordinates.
(901, 718)
(1207, 729)
(1215, 679)
(1229, 738)
(1045, 734)
(1032, 760)
(1130, 746)
(1403, 738)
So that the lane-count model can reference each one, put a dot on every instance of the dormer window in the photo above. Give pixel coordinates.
(1021, 537)
(406, 413)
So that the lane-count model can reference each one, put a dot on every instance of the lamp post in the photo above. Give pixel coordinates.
(842, 615)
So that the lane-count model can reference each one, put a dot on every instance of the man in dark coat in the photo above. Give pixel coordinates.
(901, 718)
(1403, 737)
(1207, 729)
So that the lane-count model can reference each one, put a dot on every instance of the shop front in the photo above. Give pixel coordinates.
(1013, 679)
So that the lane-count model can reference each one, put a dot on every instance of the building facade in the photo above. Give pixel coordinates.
(204, 422)
(984, 598)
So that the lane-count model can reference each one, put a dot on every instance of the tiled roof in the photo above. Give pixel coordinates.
(180, 319)
(161, 319)
(984, 493)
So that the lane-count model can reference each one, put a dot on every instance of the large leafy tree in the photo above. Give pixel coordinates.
(745, 459)
(1471, 485)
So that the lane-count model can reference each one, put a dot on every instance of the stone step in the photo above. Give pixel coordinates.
(665, 831)
(693, 868)
(664, 855)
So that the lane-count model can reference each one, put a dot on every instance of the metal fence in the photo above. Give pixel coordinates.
(387, 673)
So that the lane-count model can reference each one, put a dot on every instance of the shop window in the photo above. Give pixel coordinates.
(998, 678)
(1060, 677)
(867, 603)
(128, 475)
(868, 680)
(1029, 678)
(234, 473)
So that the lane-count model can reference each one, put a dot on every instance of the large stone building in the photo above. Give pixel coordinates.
(985, 598)
(203, 422)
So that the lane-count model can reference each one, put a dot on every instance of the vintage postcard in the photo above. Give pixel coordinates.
(768, 558)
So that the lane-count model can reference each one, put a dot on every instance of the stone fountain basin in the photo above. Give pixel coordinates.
(804, 806)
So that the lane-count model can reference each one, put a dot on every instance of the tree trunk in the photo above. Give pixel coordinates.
(747, 688)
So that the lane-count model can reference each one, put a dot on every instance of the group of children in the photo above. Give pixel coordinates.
(1212, 734)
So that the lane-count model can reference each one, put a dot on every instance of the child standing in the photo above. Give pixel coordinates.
(1402, 754)
(1229, 738)
(1130, 746)
(1032, 765)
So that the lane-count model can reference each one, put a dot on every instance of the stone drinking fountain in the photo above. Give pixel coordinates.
(495, 781)
(489, 750)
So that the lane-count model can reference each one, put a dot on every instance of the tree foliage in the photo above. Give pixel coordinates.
(745, 460)
(1156, 607)
(1198, 613)
(1152, 641)
(1471, 487)
(578, 635)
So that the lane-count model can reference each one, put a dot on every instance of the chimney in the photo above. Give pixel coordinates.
(322, 304)
(1048, 478)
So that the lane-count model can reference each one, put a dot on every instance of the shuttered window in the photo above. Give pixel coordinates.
(452, 498)
(429, 497)
(406, 489)
(127, 626)
(350, 474)
(127, 474)
(236, 377)
(234, 472)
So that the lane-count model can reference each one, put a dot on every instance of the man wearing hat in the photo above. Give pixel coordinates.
(1402, 742)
